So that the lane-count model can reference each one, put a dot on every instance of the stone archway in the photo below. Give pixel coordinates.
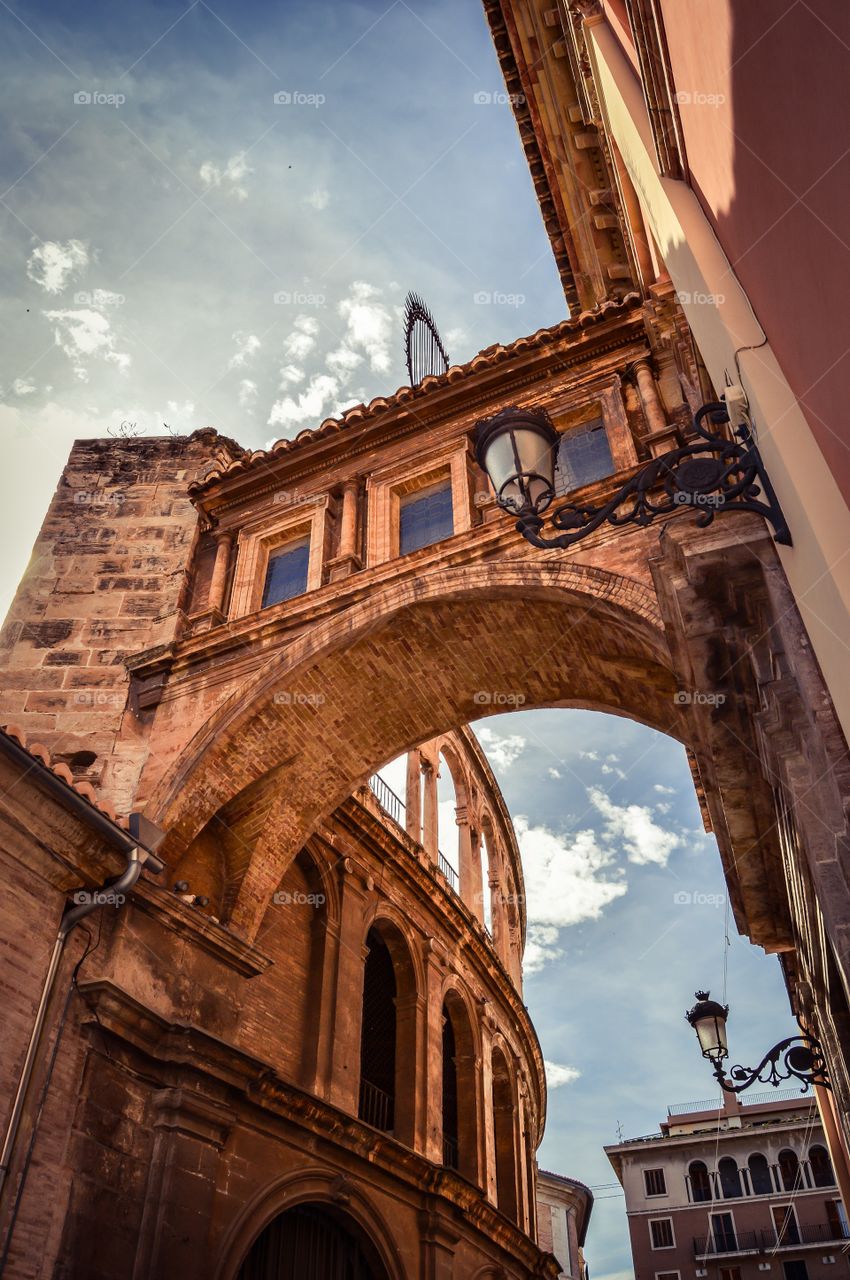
(409, 663)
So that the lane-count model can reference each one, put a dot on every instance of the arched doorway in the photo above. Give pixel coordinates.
(504, 1136)
(387, 1033)
(312, 1242)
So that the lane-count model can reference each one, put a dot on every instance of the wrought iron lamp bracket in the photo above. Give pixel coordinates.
(713, 473)
(798, 1057)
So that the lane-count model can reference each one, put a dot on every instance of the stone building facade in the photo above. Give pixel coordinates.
(734, 1191)
(564, 1206)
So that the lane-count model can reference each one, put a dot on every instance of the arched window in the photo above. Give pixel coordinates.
(312, 1242)
(730, 1178)
(486, 865)
(789, 1170)
(700, 1183)
(378, 1037)
(504, 1115)
(821, 1167)
(460, 1090)
(449, 834)
(760, 1179)
(387, 1097)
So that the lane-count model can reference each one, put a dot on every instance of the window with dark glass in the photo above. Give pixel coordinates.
(821, 1167)
(378, 1036)
(730, 1273)
(700, 1183)
(836, 1219)
(584, 455)
(425, 518)
(789, 1170)
(785, 1222)
(723, 1232)
(654, 1182)
(760, 1181)
(286, 575)
(661, 1232)
(730, 1178)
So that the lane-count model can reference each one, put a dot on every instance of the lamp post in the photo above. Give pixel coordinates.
(518, 448)
(800, 1057)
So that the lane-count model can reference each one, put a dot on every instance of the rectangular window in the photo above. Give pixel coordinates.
(795, 1270)
(730, 1273)
(667, 1275)
(785, 1222)
(425, 518)
(654, 1182)
(723, 1232)
(661, 1233)
(836, 1219)
(584, 455)
(286, 575)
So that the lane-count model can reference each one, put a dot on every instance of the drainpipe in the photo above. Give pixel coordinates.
(138, 857)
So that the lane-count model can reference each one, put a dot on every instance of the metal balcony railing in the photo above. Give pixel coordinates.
(391, 804)
(450, 1152)
(447, 870)
(376, 1107)
(725, 1243)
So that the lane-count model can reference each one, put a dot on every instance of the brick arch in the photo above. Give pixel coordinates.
(405, 665)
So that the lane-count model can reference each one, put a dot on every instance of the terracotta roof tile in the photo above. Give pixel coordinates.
(359, 413)
(41, 753)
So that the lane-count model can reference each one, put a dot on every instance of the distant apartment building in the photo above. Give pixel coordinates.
(563, 1214)
(734, 1192)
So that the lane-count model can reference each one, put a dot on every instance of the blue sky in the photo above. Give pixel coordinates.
(178, 247)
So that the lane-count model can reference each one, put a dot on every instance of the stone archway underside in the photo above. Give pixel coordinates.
(330, 708)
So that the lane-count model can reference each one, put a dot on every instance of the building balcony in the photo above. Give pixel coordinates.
(728, 1245)
(395, 808)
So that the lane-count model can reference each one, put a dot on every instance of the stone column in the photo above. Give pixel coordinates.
(344, 1089)
(470, 864)
(439, 1238)
(413, 797)
(432, 1079)
(661, 436)
(190, 1130)
(430, 820)
(347, 559)
(218, 582)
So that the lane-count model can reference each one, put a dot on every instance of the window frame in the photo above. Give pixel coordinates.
(443, 485)
(596, 423)
(722, 1213)
(661, 1247)
(653, 1195)
(260, 539)
(286, 548)
(386, 487)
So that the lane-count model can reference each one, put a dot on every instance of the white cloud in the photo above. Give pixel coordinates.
(86, 334)
(588, 755)
(664, 791)
(52, 264)
(247, 346)
(554, 773)
(607, 768)
(301, 341)
(318, 199)
(632, 824)
(247, 393)
(662, 807)
(369, 325)
(343, 361)
(23, 387)
(612, 758)
(502, 751)
(309, 408)
(567, 880)
(229, 178)
(557, 1074)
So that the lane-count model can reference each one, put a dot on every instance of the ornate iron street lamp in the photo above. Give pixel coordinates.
(518, 449)
(800, 1057)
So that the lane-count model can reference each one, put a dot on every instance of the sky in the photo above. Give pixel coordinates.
(210, 216)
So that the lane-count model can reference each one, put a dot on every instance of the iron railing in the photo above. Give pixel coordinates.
(792, 1236)
(376, 1107)
(753, 1100)
(447, 870)
(392, 804)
